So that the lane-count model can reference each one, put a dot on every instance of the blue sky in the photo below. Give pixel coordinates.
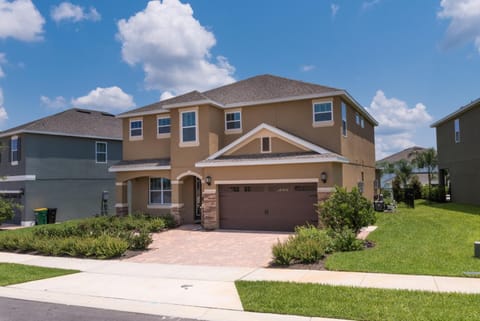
(408, 62)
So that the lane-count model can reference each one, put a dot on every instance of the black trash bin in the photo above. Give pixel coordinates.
(51, 215)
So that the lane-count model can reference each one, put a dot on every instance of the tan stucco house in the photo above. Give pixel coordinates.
(255, 154)
(458, 135)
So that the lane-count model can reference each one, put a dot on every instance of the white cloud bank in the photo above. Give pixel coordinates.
(464, 16)
(70, 12)
(111, 99)
(3, 111)
(58, 102)
(173, 48)
(397, 123)
(20, 20)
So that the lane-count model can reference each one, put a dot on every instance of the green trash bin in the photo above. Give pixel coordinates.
(40, 216)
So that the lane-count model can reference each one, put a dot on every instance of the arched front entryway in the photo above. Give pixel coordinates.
(190, 194)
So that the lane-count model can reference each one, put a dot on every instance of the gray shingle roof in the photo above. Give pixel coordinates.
(73, 122)
(255, 89)
(406, 154)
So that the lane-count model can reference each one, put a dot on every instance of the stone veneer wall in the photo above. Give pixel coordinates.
(176, 212)
(209, 211)
(121, 211)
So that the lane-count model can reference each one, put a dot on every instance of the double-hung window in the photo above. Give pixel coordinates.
(101, 152)
(160, 191)
(189, 128)
(233, 121)
(136, 129)
(163, 126)
(457, 130)
(322, 113)
(344, 119)
(14, 150)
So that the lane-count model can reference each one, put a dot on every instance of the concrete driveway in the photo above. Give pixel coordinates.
(191, 245)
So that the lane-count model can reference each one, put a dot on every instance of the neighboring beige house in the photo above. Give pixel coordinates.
(458, 135)
(255, 154)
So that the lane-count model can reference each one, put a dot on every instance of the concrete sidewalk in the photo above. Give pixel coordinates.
(198, 292)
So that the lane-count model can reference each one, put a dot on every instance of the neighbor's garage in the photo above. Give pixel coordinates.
(276, 207)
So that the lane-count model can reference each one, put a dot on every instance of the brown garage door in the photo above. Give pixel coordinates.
(277, 207)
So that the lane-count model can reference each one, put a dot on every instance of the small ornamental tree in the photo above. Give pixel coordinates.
(7, 210)
(346, 210)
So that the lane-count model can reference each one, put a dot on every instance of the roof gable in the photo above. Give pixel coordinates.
(457, 113)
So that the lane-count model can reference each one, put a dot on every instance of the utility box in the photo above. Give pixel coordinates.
(477, 249)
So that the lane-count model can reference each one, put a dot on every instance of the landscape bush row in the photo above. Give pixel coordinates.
(340, 219)
(99, 237)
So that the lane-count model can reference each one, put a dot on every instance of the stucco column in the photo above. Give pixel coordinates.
(121, 206)
(209, 209)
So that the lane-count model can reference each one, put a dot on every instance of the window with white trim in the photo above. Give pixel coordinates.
(14, 154)
(188, 122)
(136, 128)
(357, 118)
(163, 126)
(344, 119)
(266, 145)
(457, 130)
(362, 122)
(160, 191)
(233, 121)
(322, 112)
(101, 152)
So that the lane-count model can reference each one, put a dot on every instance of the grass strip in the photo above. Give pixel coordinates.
(351, 303)
(11, 273)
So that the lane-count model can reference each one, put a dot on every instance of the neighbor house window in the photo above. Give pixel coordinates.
(233, 121)
(160, 191)
(136, 129)
(322, 113)
(457, 130)
(362, 122)
(344, 119)
(14, 150)
(101, 152)
(189, 128)
(357, 118)
(266, 145)
(163, 126)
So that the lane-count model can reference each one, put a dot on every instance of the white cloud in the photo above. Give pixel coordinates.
(173, 48)
(464, 16)
(3, 111)
(69, 11)
(306, 68)
(3, 60)
(21, 20)
(111, 99)
(166, 95)
(58, 102)
(397, 123)
(334, 8)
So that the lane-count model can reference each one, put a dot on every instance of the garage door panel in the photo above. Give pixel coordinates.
(267, 207)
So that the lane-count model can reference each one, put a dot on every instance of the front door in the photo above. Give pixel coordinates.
(197, 198)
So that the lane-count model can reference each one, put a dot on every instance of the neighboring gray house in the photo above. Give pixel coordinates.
(61, 161)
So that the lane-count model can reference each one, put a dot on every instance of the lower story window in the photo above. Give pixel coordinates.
(160, 191)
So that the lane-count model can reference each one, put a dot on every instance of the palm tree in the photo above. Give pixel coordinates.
(384, 168)
(427, 159)
(403, 170)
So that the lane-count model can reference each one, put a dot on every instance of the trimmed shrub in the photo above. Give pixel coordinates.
(346, 240)
(346, 210)
(7, 209)
(282, 253)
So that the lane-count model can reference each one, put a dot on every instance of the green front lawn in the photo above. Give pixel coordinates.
(432, 239)
(356, 303)
(11, 273)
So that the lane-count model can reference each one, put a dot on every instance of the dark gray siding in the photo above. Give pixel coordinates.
(72, 198)
(6, 169)
(461, 159)
(60, 157)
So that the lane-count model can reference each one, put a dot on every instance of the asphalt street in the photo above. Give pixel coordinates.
(21, 310)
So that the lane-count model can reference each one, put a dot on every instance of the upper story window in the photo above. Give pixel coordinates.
(233, 121)
(14, 150)
(322, 113)
(160, 191)
(136, 129)
(163, 126)
(344, 119)
(189, 128)
(362, 122)
(266, 145)
(457, 130)
(101, 152)
(359, 120)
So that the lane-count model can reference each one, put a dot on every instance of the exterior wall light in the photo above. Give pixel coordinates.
(208, 180)
(323, 177)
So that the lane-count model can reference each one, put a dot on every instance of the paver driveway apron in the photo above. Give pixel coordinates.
(191, 245)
